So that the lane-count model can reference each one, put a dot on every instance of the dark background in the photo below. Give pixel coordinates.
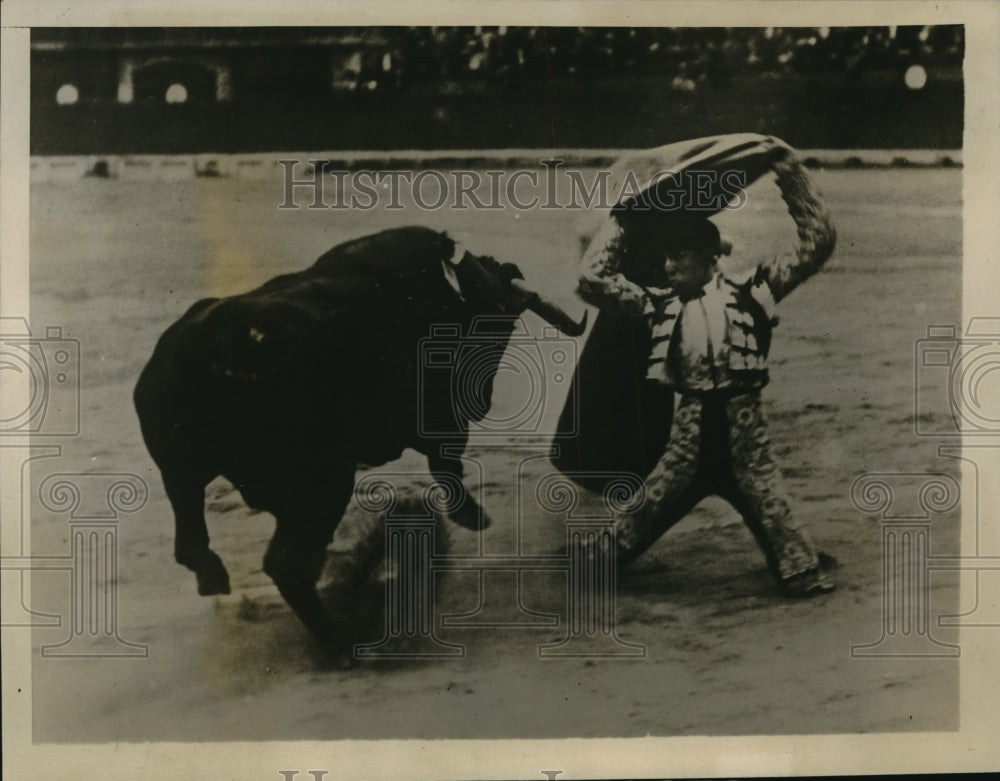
(274, 89)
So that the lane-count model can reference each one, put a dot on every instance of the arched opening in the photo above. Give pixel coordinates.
(175, 82)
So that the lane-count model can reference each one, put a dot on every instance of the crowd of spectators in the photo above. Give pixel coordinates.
(298, 60)
(688, 57)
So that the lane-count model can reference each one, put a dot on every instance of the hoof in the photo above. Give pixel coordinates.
(338, 658)
(332, 650)
(207, 567)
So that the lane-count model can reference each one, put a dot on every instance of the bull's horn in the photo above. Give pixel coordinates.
(550, 312)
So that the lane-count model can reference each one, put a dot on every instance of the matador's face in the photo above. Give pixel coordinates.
(689, 270)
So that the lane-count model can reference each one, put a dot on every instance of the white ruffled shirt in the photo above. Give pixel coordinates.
(700, 359)
(698, 353)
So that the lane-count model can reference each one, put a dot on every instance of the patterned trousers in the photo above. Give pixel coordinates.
(718, 445)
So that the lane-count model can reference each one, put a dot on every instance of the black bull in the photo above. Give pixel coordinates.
(287, 389)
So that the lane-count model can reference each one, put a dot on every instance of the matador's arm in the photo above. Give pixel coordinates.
(602, 284)
(816, 234)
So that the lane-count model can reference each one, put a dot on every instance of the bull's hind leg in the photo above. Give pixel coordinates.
(187, 497)
(297, 553)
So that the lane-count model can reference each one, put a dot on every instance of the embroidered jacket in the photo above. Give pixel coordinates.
(749, 298)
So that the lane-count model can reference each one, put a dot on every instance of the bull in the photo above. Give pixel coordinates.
(288, 389)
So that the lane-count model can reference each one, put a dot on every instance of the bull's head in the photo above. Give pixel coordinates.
(501, 286)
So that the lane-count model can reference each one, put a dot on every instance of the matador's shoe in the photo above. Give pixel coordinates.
(812, 582)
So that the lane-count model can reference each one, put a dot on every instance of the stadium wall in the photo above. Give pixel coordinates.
(828, 111)
(264, 166)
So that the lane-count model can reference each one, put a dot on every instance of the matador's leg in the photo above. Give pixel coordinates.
(756, 492)
(670, 489)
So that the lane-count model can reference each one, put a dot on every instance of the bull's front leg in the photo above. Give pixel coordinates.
(187, 498)
(447, 469)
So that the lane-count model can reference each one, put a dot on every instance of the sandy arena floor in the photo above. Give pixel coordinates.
(115, 262)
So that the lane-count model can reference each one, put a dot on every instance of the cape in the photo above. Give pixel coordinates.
(613, 419)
